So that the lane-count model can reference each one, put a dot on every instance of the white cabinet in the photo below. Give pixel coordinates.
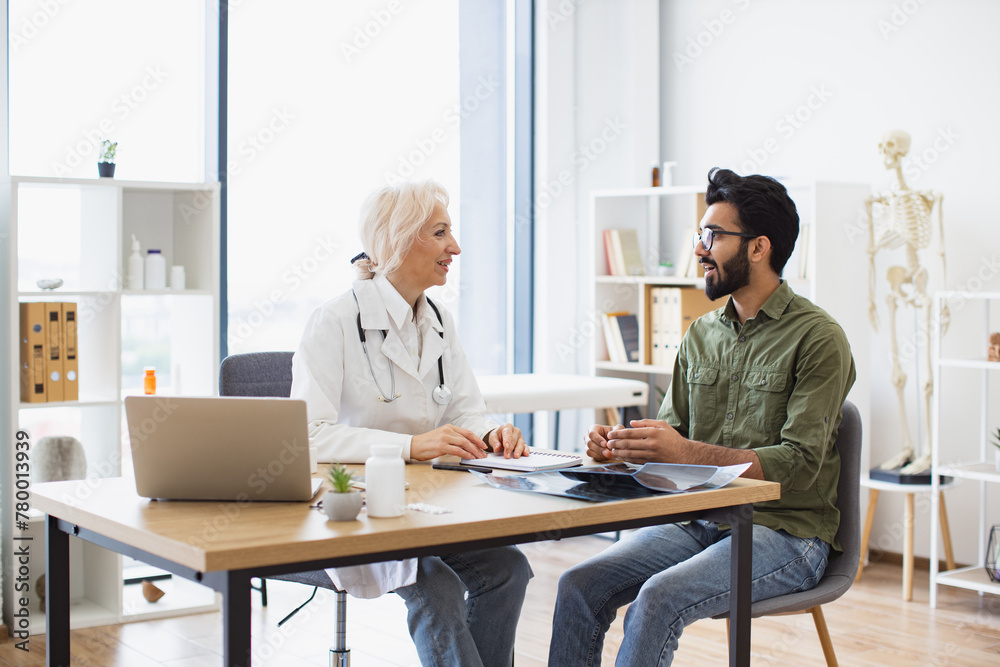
(835, 278)
(80, 231)
(960, 440)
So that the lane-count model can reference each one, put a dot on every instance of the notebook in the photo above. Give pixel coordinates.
(539, 460)
(239, 449)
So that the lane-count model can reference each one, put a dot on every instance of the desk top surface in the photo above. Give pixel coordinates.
(209, 535)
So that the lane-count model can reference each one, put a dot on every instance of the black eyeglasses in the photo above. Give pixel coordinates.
(707, 236)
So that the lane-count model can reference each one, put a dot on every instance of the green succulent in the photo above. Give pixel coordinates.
(108, 149)
(996, 438)
(340, 478)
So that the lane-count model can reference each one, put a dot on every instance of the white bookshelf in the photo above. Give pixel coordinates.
(80, 230)
(830, 218)
(959, 456)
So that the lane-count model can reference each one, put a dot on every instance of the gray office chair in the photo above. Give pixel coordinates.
(270, 374)
(840, 572)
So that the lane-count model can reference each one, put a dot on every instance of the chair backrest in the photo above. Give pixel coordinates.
(840, 571)
(256, 374)
(848, 495)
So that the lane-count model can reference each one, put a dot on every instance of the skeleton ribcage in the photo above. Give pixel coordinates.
(907, 220)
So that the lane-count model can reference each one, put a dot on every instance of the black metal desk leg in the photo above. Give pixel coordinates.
(56, 594)
(236, 620)
(741, 573)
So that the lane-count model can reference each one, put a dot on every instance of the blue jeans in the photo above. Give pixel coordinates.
(672, 575)
(463, 608)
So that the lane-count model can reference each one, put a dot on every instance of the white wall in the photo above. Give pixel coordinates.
(849, 70)
(823, 81)
(597, 126)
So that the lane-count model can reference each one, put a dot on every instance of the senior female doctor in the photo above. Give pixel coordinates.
(383, 364)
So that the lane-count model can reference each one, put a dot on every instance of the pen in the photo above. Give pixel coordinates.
(445, 466)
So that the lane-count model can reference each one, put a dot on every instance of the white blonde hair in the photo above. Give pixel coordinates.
(391, 218)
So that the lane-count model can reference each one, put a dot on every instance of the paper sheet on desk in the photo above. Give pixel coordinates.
(616, 481)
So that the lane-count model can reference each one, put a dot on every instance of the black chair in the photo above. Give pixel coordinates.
(840, 572)
(270, 374)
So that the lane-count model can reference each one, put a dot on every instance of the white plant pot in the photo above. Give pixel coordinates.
(342, 506)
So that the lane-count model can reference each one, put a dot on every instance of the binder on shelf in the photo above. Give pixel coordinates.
(655, 336)
(33, 352)
(672, 310)
(53, 352)
(71, 365)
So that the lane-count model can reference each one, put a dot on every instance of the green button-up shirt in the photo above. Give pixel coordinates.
(776, 385)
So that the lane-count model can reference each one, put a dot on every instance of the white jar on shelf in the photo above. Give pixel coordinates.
(156, 270)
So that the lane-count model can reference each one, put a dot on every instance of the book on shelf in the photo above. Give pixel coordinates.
(613, 339)
(614, 268)
(621, 246)
(628, 329)
(686, 262)
(628, 241)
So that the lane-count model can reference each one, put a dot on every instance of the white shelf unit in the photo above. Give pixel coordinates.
(81, 230)
(975, 459)
(663, 218)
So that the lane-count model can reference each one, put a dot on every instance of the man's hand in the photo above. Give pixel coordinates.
(647, 440)
(507, 439)
(597, 442)
(447, 439)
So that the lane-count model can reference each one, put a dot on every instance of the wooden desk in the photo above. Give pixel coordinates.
(222, 545)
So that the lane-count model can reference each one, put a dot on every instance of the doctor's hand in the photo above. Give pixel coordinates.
(447, 439)
(597, 442)
(507, 439)
(647, 440)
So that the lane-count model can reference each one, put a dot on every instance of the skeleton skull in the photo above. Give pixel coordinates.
(893, 146)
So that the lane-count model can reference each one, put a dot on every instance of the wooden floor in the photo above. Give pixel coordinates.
(870, 625)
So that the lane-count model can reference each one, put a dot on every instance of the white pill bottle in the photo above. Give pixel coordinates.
(385, 479)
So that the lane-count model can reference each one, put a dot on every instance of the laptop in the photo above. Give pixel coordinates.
(220, 448)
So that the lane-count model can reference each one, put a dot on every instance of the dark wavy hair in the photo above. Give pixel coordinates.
(764, 209)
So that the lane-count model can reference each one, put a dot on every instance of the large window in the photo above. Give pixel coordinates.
(327, 101)
(132, 72)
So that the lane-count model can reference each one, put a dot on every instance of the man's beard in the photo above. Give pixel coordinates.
(734, 274)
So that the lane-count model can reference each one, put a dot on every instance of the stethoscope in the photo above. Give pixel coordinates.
(441, 394)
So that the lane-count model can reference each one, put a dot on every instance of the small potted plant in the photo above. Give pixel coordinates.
(343, 501)
(106, 158)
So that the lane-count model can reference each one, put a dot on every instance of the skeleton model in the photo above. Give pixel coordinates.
(903, 218)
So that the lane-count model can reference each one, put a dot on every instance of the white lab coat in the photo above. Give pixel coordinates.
(330, 372)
